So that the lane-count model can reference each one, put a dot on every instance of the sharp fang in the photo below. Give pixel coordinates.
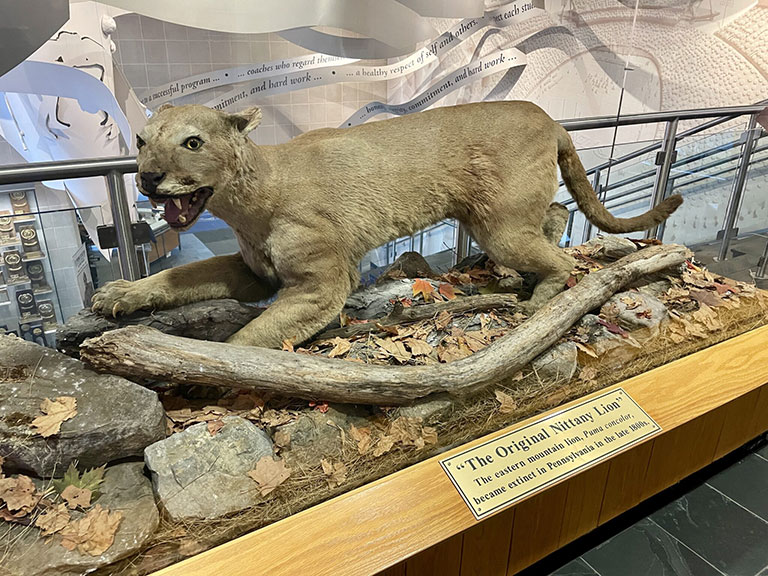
(177, 202)
(182, 219)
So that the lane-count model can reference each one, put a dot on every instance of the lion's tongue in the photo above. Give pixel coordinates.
(172, 213)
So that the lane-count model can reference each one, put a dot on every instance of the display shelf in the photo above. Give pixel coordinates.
(36, 257)
(413, 521)
(31, 219)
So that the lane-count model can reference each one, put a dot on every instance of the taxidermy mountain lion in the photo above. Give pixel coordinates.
(306, 212)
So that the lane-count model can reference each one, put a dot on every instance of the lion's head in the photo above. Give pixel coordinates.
(187, 154)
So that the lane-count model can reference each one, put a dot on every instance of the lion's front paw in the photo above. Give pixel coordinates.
(121, 297)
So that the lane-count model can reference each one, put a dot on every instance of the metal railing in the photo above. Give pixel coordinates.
(113, 169)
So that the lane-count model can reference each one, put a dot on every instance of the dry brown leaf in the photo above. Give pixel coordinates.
(588, 374)
(708, 317)
(429, 435)
(630, 302)
(92, 534)
(447, 291)
(394, 348)
(269, 474)
(277, 417)
(706, 297)
(340, 347)
(418, 347)
(214, 426)
(587, 349)
(443, 320)
(383, 446)
(19, 494)
(336, 472)
(282, 438)
(363, 438)
(180, 416)
(54, 413)
(287, 346)
(449, 351)
(75, 497)
(508, 403)
(53, 520)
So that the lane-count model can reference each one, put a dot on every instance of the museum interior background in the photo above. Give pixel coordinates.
(87, 91)
(678, 55)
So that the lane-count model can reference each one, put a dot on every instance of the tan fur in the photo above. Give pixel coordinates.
(305, 212)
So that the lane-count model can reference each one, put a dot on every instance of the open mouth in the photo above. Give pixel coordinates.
(182, 211)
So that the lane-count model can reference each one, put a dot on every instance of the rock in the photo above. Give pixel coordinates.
(213, 320)
(473, 261)
(557, 363)
(374, 301)
(612, 247)
(655, 288)
(115, 418)
(196, 475)
(125, 488)
(635, 310)
(431, 409)
(407, 265)
(316, 435)
(612, 350)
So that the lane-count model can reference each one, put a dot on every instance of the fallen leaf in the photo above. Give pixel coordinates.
(706, 297)
(383, 446)
(214, 426)
(53, 520)
(340, 347)
(418, 347)
(321, 407)
(447, 290)
(587, 349)
(282, 438)
(90, 479)
(391, 330)
(92, 534)
(508, 403)
(75, 497)
(277, 417)
(429, 434)
(613, 328)
(19, 494)
(394, 348)
(336, 472)
(269, 474)
(54, 413)
(363, 438)
(421, 286)
(287, 346)
(630, 302)
(588, 374)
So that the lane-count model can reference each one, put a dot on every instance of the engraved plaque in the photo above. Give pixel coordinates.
(36, 274)
(19, 202)
(7, 231)
(29, 240)
(13, 267)
(27, 306)
(47, 311)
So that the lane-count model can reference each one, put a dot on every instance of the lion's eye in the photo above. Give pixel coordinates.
(193, 143)
(139, 141)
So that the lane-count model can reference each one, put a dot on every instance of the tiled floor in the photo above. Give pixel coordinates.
(712, 524)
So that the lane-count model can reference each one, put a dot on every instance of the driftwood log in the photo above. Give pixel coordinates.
(213, 320)
(141, 352)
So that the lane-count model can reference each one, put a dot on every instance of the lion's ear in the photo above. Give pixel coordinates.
(247, 120)
(164, 107)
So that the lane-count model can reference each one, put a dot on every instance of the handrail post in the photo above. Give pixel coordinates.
(569, 228)
(463, 241)
(121, 216)
(664, 160)
(587, 223)
(737, 190)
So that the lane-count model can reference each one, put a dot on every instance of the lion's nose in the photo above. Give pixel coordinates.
(151, 180)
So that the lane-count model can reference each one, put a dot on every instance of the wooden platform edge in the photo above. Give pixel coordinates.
(699, 401)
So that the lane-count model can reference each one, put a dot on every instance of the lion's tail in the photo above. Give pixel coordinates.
(578, 185)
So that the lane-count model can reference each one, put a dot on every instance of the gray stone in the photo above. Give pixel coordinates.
(315, 435)
(376, 301)
(557, 363)
(125, 488)
(635, 311)
(115, 418)
(612, 349)
(655, 288)
(612, 247)
(407, 265)
(197, 475)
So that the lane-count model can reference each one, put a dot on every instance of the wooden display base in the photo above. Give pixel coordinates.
(415, 523)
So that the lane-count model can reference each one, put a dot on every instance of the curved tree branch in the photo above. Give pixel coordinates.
(139, 351)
